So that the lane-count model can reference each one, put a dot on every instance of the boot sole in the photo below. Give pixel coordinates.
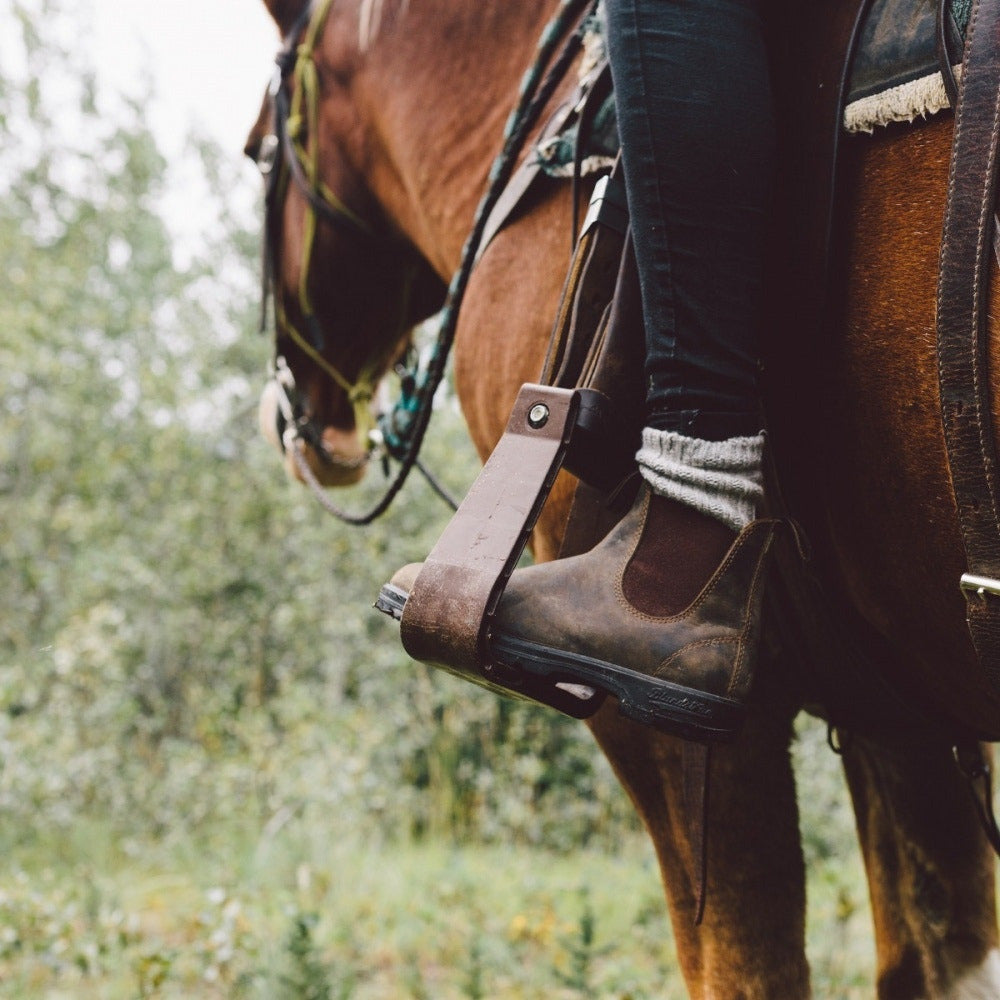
(670, 708)
(575, 700)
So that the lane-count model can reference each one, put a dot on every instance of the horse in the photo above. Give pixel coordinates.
(411, 104)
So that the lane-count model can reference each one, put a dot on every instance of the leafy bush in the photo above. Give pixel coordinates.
(186, 638)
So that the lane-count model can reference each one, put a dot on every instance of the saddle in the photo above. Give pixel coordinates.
(584, 413)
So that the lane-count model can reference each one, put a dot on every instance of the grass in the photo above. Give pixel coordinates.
(301, 907)
(299, 916)
(354, 921)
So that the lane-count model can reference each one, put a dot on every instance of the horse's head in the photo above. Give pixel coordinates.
(347, 287)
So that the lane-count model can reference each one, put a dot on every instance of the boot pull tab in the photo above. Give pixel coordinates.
(696, 763)
(976, 768)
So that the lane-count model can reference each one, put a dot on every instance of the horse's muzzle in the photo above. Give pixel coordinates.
(343, 459)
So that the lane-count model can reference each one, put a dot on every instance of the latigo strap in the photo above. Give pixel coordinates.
(962, 334)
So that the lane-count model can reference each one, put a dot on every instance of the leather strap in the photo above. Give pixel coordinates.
(563, 327)
(962, 334)
(595, 263)
(510, 201)
(448, 612)
(614, 368)
(942, 46)
(696, 763)
(515, 195)
(975, 766)
(947, 32)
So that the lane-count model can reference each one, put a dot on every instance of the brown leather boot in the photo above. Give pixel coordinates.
(664, 614)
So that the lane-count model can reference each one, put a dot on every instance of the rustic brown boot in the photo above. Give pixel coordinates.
(664, 614)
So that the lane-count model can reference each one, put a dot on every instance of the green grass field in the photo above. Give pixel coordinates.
(301, 910)
(299, 918)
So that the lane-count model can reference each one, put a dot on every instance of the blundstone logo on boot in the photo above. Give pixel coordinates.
(666, 699)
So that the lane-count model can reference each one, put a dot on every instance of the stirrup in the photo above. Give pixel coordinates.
(446, 617)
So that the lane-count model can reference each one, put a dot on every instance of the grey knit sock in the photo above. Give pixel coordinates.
(724, 479)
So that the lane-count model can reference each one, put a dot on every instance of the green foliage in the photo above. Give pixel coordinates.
(305, 975)
(197, 703)
(581, 949)
(186, 637)
(395, 921)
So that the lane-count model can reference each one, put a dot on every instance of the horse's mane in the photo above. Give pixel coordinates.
(285, 12)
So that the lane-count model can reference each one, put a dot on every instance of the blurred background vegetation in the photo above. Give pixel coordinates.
(219, 774)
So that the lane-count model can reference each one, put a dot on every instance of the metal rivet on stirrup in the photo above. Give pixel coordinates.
(538, 416)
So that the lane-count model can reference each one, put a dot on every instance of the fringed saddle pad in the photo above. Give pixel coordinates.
(556, 153)
(896, 75)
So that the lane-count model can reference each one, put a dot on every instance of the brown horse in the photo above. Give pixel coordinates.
(413, 102)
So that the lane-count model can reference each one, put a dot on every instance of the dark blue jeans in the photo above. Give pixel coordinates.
(697, 131)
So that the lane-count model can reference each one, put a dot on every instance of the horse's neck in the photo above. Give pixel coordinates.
(436, 82)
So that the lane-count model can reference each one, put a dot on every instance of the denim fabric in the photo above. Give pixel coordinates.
(697, 130)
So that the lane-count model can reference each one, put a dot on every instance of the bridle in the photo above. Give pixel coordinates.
(283, 158)
(290, 154)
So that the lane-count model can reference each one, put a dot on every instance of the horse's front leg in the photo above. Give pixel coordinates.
(930, 872)
(751, 944)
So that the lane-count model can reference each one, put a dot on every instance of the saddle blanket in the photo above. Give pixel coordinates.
(896, 75)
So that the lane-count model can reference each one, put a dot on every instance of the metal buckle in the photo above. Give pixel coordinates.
(979, 585)
(607, 205)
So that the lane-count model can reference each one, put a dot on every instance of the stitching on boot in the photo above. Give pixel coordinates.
(756, 585)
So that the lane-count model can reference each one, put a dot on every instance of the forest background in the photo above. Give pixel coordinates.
(219, 774)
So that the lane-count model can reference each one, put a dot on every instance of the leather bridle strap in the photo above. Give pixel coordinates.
(962, 334)
(295, 117)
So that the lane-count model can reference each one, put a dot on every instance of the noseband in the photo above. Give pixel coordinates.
(290, 153)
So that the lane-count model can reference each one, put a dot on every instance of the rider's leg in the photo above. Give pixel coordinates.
(696, 123)
(658, 613)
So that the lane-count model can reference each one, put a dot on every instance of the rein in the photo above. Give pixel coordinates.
(400, 431)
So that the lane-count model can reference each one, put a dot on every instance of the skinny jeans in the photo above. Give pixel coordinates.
(696, 124)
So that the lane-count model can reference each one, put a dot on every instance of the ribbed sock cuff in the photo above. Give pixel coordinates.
(724, 479)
